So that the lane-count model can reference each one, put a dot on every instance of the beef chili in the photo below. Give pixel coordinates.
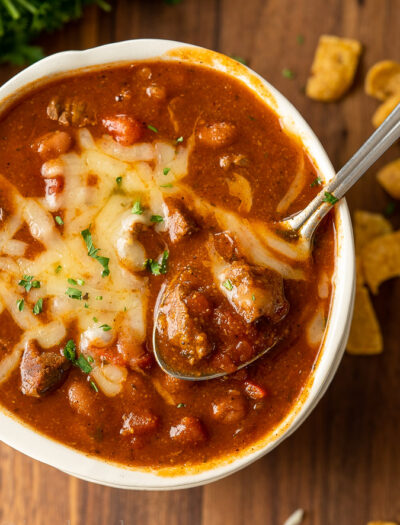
(119, 183)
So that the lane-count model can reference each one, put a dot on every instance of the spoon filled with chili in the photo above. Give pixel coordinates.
(187, 341)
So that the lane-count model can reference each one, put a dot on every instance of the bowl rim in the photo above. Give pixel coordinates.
(23, 438)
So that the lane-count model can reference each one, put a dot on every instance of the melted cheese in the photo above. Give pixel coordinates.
(91, 198)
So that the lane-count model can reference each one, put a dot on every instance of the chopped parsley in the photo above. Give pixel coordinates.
(58, 269)
(156, 218)
(74, 293)
(83, 364)
(330, 198)
(287, 73)
(228, 284)
(169, 185)
(86, 305)
(253, 297)
(316, 182)
(179, 140)
(152, 128)
(118, 180)
(105, 327)
(38, 308)
(70, 351)
(92, 252)
(20, 304)
(181, 405)
(75, 282)
(70, 354)
(58, 220)
(94, 386)
(99, 298)
(155, 267)
(95, 319)
(28, 283)
(137, 208)
(166, 171)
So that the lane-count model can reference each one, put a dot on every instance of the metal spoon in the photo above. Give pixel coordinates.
(302, 225)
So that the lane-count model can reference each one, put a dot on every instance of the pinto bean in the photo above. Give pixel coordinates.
(230, 408)
(217, 134)
(53, 144)
(188, 431)
(157, 93)
(82, 398)
(254, 391)
(139, 423)
(125, 130)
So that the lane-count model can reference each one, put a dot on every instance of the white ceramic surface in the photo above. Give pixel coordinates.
(24, 439)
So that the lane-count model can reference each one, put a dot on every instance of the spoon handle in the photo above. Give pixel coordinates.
(308, 219)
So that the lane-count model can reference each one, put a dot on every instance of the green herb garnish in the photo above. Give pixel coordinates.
(166, 171)
(300, 39)
(21, 21)
(28, 283)
(94, 386)
(105, 327)
(74, 293)
(156, 218)
(83, 364)
(239, 59)
(330, 198)
(157, 268)
(58, 220)
(118, 180)
(20, 304)
(58, 269)
(287, 73)
(228, 284)
(137, 208)
(92, 252)
(169, 185)
(316, 182)
(38, 308)
(70, 354)
(70, 351)
(179, 140)
(181, 405)
(152, 128)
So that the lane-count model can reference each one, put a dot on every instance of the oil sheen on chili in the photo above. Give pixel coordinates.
(121, 182)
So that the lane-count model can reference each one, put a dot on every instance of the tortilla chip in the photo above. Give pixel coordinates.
(389, 178)
(333, 69)
(381, 260)
(365, 334)
(385, 109)
(383, 79)
(368, 226)
(359, 272)
(382, 523)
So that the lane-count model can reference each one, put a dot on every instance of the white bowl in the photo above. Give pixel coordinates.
(23, 438)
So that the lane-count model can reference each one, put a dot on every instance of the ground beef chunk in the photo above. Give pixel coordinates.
(179, 223)
(255, 292)
(41, 372)
(71, 112)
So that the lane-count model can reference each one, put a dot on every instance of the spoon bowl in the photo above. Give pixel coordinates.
(299, 228)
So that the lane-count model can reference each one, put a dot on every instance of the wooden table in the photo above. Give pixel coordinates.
(343, 465)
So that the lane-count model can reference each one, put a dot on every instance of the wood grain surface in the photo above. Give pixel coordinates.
(343, 465)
